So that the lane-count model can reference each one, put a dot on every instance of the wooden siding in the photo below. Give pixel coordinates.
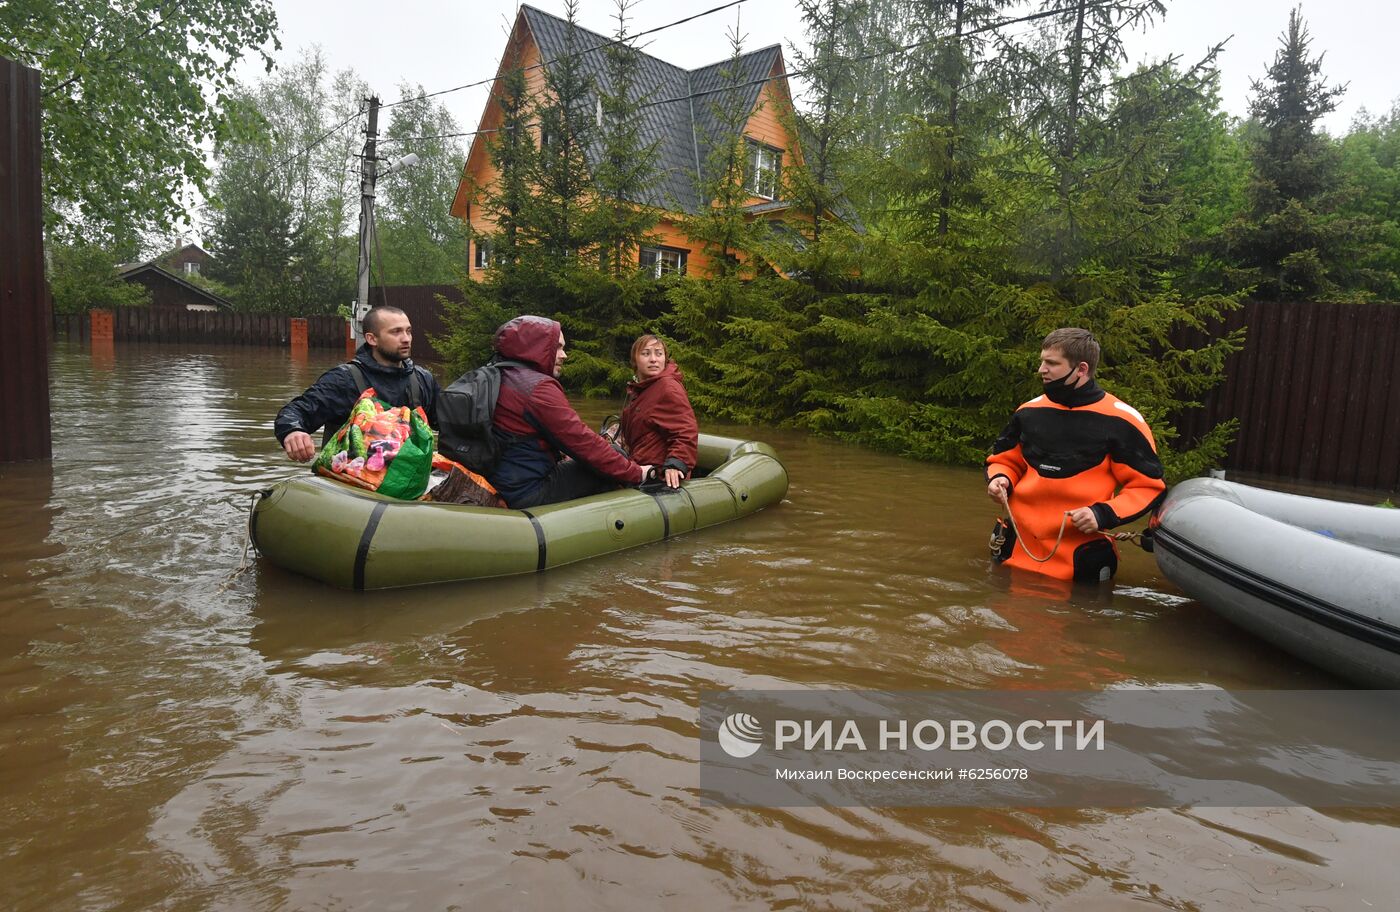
(24, 303)
(1317, 393)
(766, 124)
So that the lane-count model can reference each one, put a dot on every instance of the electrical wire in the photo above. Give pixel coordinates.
(579, 53)
(791, 73)
(322, 138)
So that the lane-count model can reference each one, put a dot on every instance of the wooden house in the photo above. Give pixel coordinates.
(169, 290)
(678, 118)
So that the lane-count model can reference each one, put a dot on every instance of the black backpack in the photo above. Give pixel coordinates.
(464, 413)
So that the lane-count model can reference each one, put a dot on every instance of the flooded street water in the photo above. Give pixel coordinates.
(176, 740)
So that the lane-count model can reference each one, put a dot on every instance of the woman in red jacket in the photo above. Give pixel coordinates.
(657, 420)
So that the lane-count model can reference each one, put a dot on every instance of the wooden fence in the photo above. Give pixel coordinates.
(1317, 392)
(24, 369)
(204, 327)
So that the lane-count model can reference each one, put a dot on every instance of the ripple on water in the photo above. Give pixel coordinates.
(189, 740)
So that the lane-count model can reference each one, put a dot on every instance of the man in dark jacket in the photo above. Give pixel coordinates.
(538, 428)
(382, 362)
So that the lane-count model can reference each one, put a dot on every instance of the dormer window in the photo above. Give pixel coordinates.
(764, 170)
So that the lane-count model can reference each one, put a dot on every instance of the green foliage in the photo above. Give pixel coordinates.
(1003, 184)
(1371, 163)
(1295, 237)
(512, 149)
(421, 243)
(83, 276)
(269, 261)
(471, 325)
(559, 208)
(620, 223)
(132, 92)
(278, 215)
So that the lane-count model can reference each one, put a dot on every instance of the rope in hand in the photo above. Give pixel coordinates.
(1021, 539)
(1135, 537)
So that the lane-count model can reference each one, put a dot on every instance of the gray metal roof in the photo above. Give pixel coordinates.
(683, 127)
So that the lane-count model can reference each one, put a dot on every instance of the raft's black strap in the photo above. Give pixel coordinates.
(665, 516)
(362, 553)
(539, 539)
(693, 508)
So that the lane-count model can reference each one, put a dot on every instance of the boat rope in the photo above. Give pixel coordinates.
(244, 564)
(1021, 539)
(998, 539)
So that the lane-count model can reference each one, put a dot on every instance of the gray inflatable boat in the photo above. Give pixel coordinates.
(1317, 578)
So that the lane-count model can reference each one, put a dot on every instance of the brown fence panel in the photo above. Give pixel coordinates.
(424, 312)
(1378, 435)
(1316, 390)
(200, 327)
(24, 371)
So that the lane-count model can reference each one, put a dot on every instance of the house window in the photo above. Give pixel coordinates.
(483, 254)
(191, 269)
(660, 261)
(764, 169)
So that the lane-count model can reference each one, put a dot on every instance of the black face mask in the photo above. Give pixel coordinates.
(1061, 391)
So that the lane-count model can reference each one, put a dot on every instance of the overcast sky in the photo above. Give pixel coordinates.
(440, 44)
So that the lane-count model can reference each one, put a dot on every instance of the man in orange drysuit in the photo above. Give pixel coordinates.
(1075, 459)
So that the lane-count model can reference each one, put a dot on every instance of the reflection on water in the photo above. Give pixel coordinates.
(177, 740)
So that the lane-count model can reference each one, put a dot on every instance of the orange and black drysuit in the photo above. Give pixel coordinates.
(1061, 457)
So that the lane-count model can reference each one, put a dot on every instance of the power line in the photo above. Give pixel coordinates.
(999, 24)
(320, 139)
(323, 137)
(536, 66)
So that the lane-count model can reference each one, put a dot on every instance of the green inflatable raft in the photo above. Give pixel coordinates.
(359, 540)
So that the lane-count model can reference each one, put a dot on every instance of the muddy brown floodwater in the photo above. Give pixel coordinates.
(172, 740)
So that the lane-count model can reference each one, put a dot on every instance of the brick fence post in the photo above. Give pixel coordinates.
(102, 325)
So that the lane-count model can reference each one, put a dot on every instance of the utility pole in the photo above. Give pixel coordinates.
(368, 165)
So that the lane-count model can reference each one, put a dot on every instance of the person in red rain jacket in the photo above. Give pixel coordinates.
(549, 454)
(657, 420)
(1075, 458)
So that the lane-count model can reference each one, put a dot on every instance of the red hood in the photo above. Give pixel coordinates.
(533, 340)
(670, 370)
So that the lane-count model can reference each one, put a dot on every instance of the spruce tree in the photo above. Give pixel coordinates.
(626, 171)
(566, 129)
(1292, 240)
(740, 328)
(507, 199)
(827, 125)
